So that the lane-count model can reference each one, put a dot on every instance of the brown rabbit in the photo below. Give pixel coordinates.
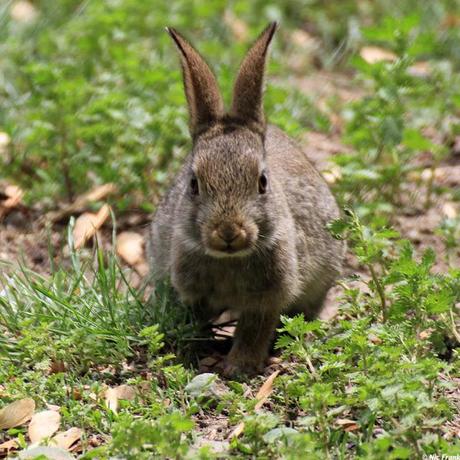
(244, 225)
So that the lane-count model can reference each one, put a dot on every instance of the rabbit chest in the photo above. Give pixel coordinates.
(237, 283)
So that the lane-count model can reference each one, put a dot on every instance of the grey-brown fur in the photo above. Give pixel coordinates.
(285, 260)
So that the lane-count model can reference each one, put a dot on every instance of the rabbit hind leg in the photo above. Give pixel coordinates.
(308, 305)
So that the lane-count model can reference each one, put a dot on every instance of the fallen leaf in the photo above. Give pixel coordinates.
(43, 425)
(423, 335)
(130, 247)
(88, 224)
(302, 38)
(347, 424)
(451, 20)
(4, 141)
(332, 175)
(23, 11)
(264, 392)
(76, 394)
(373, 54)
(374, 339)
(113, 395)
(66, 439)
(84, 225)
(16, 413)
(53, 407)
(6, 446)
(449, 210)
(97, 194)
(345, 421)
(13, 198)
(427, 174)
(238, 27)
(420, 69)
(142, 268)
(349, 428)
(237, 431)
(56, 367)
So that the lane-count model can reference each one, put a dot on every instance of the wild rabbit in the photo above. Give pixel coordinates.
(244, 225)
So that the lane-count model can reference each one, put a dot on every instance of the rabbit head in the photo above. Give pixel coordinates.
(227, 182)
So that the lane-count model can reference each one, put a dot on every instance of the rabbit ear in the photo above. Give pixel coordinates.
(248, 90)
(203, 95)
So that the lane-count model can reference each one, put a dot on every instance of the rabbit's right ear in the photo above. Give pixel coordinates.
(203, 95)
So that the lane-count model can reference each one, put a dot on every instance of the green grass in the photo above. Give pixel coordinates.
(91, 93)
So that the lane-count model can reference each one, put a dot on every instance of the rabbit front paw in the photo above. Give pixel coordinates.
(240, 364)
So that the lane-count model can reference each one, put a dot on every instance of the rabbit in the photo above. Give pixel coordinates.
(244, 225)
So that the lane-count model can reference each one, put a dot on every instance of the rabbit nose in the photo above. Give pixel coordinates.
(229, 233)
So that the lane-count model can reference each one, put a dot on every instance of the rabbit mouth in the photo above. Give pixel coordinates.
(228, 252)
(229, 241)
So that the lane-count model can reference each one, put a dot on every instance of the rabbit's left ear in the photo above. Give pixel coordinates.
(248, 90)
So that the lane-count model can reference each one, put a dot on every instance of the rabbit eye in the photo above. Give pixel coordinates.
(263, 183)
(194, 189)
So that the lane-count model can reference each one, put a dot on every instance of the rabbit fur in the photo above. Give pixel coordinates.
(243, 227)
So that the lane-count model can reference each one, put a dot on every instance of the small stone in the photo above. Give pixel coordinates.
(206, 385)
(51, 453)
(279, 433)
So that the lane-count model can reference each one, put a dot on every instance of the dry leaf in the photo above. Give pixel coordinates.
(113, 395)
(345, 421)
(56, 367)
(96, 194)
(332, 175)
(451, 20)
(238, 27)
(4, 141)
(8, 445)
(13, 195)
(66, 439)
(347, 424)
(237, 431)
(420, 69)
(302, 39)
(16, 413)
(423, 335)
(142, 268)
(264, 392)
(43, 425)
(427, 174)
(449, 210)
(374, 339)
(53, 407)
(22, 11)
(373, 54)
(84, 225)
(353, 427)
(130, 247)
(88, 224)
